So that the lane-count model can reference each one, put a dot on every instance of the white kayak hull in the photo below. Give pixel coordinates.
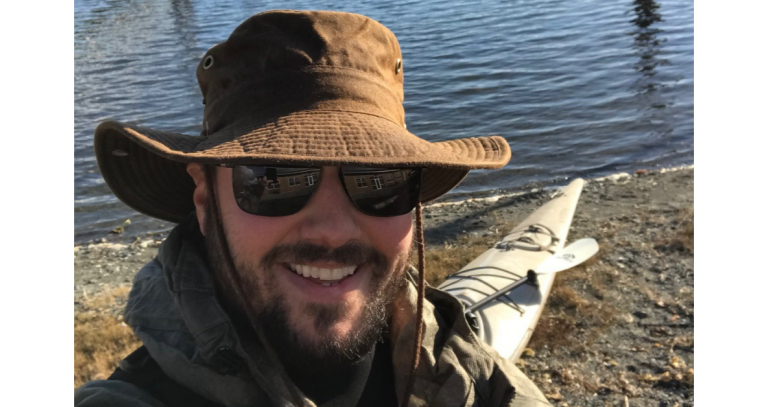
(508, 322)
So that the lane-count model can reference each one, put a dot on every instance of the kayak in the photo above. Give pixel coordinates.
(507, 322)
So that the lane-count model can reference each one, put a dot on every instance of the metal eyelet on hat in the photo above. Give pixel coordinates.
(208, 62)
(399, 66)
(119, 153)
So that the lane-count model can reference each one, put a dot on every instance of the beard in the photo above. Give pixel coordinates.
(327, 348)
(249, 291)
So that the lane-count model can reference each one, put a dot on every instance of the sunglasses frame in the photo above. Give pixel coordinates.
(341, 173)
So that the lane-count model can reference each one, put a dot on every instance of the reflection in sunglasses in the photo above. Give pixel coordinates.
(281, 191)
(378, 188)
(282, 182)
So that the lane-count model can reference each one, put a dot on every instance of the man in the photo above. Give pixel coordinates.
(287, 281)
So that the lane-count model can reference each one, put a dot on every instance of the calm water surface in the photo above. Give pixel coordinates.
(579, 88)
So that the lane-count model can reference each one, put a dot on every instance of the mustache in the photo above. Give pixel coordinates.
(305, 252)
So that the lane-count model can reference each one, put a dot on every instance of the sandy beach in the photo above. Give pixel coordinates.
(617, 330)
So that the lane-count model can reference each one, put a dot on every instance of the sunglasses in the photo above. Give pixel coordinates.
(271, 190)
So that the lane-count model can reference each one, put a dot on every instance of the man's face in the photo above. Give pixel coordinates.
(357, 262)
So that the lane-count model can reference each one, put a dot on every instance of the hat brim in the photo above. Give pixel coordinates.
(146, 168)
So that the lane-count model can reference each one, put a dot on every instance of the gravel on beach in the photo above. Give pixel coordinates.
(616, 331)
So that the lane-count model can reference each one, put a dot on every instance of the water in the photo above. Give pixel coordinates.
(579, 88)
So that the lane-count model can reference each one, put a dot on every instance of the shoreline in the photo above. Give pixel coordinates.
(617, 330)
(460, 199)
(451, 199)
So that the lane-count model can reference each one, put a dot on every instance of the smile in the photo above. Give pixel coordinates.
(327, 277)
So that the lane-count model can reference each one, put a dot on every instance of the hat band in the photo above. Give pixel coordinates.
(290, 91)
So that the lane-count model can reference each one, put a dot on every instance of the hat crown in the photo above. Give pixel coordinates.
(285, 61)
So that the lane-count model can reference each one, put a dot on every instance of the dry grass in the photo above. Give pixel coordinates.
(449, 258)
(101, 339)
(570, 319)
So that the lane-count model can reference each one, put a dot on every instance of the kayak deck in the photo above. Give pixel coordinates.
(508, 322)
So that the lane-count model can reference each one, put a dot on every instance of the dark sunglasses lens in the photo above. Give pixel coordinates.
(383, 192)
(273, 191)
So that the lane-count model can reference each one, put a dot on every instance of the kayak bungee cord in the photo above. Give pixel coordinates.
(538, 229)
(507, 245)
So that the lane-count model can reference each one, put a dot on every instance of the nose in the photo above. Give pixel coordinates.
(329, 219)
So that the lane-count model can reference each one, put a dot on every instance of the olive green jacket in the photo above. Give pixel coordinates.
(173, 309)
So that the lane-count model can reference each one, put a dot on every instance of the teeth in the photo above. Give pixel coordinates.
(323, 274)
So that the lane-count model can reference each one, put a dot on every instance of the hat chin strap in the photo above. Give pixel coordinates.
(419, 308)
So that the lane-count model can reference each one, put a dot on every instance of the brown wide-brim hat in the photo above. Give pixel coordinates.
(306, 88)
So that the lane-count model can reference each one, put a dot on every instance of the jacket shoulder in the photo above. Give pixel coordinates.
(101, 393)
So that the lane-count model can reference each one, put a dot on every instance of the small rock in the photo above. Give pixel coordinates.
(641, 172)
(660, 304)
(566, 376)
(529, 353)
(618, 177)
(689, 377)
(647, 377)
(676, 362)
(556, 396)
